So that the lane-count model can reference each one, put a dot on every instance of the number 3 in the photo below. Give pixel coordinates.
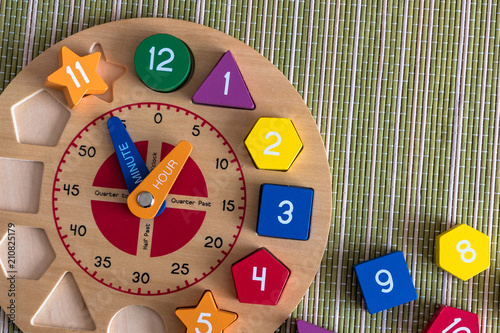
(287, 212)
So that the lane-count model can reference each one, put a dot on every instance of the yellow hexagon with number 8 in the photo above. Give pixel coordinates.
(273, 143)
(463, 251)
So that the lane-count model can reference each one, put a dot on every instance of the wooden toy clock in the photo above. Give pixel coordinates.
(157, 176)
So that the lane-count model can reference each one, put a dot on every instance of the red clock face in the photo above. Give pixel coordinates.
(210, 187)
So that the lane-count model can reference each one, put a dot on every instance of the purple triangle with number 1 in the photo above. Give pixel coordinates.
(225, 86)
(305, 327)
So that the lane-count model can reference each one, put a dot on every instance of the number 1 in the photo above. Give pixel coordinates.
(226, 87)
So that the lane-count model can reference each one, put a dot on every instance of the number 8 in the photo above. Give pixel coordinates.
(389, 281)
(467, 249)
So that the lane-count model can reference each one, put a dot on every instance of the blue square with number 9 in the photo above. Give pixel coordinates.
(385, 282)
(285, 211)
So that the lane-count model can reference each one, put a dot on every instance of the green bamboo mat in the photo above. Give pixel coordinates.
(405, 97)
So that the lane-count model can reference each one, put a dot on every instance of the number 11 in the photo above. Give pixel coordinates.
(69, 71)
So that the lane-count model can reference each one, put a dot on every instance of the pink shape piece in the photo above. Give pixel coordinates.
(305, 327)
(449, 319)
(225, 86)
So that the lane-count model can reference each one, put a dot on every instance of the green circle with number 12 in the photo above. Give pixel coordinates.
(163, 62)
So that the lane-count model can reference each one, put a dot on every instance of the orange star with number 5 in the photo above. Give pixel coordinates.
(206, 316)
(77, 76)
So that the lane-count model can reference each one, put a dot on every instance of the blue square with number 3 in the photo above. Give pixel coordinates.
(385, 282)
(285, 211)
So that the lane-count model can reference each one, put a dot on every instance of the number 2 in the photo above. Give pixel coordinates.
(268, 151)
(161, 66)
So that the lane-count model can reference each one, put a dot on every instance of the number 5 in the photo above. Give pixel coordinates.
(204, 321)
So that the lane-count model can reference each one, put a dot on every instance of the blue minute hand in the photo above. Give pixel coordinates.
(134, 169)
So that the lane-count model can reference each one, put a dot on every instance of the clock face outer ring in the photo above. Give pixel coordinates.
(273, 96)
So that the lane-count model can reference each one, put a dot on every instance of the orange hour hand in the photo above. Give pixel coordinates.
(147, 198)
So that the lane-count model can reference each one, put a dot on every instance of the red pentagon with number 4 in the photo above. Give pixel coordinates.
(452, 320)
(260, 278)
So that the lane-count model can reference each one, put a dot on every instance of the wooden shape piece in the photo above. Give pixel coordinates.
(40, 119)
(65, 307)
(77, 76)
(225, 86)
(463, 251)
(260, 278)
(136, 318)
(108, 71)
(20, 185)
(273, 143)
(285, 211)
(449, 319)
(33, 253)
(206, 316)
(385, 282)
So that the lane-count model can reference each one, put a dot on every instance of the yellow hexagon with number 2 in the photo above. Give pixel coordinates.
(463, 251)
(273, 143)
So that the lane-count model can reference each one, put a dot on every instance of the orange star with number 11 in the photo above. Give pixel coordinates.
(206, 316)
(77, 76)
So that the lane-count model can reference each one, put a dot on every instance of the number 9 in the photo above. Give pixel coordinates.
(389, 282)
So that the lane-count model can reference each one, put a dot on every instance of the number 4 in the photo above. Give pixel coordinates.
(261, 278)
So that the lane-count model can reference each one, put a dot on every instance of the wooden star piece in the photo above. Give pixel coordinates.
(206, 316)
(77, 76)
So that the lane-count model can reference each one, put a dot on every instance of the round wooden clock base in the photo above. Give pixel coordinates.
(77, 259)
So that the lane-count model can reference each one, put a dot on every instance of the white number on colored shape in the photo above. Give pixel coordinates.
(226, 86)
(78, 66)
(204, 321)
(161, 66)
(288, 212)
(467, 249)
(261, 278)
(459, 329)
(268, 151)
(389, 282)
